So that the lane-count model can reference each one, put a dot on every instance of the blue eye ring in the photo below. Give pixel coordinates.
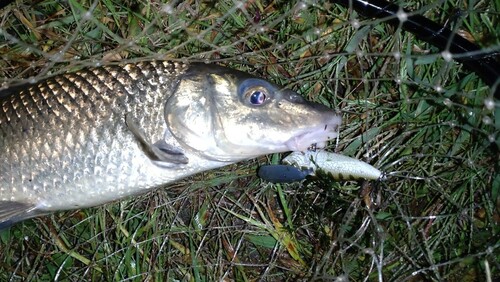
(257, 97)
(255, 92)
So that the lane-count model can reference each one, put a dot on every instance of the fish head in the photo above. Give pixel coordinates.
(227, 115)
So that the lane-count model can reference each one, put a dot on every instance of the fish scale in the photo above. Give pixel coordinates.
(93, 101)
(100, 134)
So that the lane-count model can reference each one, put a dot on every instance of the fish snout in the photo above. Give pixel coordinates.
(293, 97)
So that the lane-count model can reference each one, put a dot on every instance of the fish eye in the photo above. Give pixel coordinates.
(257, 96)
(255, 92)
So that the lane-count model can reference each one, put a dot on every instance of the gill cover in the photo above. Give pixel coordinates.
(208, 102)
(190, 113)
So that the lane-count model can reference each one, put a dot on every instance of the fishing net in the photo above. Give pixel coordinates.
(409, 108)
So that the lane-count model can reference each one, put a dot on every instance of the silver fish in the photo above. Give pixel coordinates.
(101, 134)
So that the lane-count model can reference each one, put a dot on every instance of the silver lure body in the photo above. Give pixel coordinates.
(101, 134)
(339, 166)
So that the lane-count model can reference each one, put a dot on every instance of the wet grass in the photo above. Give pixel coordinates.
(417, 117)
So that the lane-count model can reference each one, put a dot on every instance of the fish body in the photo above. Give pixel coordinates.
(101, 134)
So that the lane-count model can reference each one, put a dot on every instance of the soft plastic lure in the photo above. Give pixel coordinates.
(339, 166)
(283, 173)
(298, 165)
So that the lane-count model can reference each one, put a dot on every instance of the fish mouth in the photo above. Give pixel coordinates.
(317, 136)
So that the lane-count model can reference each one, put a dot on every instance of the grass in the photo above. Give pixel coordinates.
(418, 118)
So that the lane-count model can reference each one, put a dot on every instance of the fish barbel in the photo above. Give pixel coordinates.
(100, 134)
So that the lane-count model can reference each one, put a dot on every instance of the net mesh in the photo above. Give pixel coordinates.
(409, 109)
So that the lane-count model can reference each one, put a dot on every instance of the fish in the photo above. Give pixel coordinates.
(101, 134)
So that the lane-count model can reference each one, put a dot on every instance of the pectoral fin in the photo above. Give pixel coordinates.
(12, 212)
(160, 151)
